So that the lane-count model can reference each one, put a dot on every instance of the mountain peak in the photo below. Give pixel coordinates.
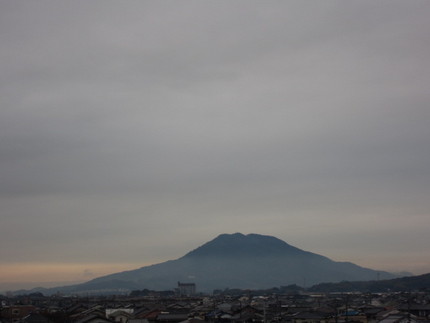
(241, 245)
(250, 261)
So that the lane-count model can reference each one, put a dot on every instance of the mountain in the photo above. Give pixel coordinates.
(250, 261)
(421, 282)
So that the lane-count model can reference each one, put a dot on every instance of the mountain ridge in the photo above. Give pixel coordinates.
(261, 245)
(251, 261)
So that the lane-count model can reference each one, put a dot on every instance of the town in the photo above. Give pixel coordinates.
(185, 305)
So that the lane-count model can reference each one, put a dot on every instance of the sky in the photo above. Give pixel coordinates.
(132, 132)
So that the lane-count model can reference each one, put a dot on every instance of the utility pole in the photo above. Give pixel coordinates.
(264, 311)
(409, 306)
(346, 308)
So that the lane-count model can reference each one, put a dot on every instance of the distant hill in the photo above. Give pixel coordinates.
(250, 261)
(421, 282)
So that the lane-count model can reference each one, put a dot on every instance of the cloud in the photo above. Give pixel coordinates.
(121, 124)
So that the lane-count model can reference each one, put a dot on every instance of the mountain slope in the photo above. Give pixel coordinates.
(242, 261)
(420, 282)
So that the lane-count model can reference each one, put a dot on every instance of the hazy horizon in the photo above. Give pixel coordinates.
(133, 132)
(17, 285)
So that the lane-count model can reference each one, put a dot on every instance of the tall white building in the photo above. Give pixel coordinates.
(186, 289)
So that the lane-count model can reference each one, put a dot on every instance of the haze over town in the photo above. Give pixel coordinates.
(133, 132)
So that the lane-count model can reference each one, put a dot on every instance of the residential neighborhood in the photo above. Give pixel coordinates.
(222, 307)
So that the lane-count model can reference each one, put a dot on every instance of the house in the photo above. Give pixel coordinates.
(17, 312)
(35, 318)
(150, 315)
(352, 315)
(94, 314)
(396, 316)
(93, 318)
(310, 317)
(121, 315)
(247, 314)
(419, 310)
(171, 318)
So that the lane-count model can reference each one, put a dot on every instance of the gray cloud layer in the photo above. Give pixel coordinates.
(161, 124)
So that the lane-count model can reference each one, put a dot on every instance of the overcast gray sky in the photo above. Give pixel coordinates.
(132, 132)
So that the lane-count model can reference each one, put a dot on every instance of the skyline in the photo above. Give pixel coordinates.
(134, 132)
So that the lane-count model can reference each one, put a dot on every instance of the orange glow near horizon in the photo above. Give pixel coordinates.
(56, 272)
(28, 275)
